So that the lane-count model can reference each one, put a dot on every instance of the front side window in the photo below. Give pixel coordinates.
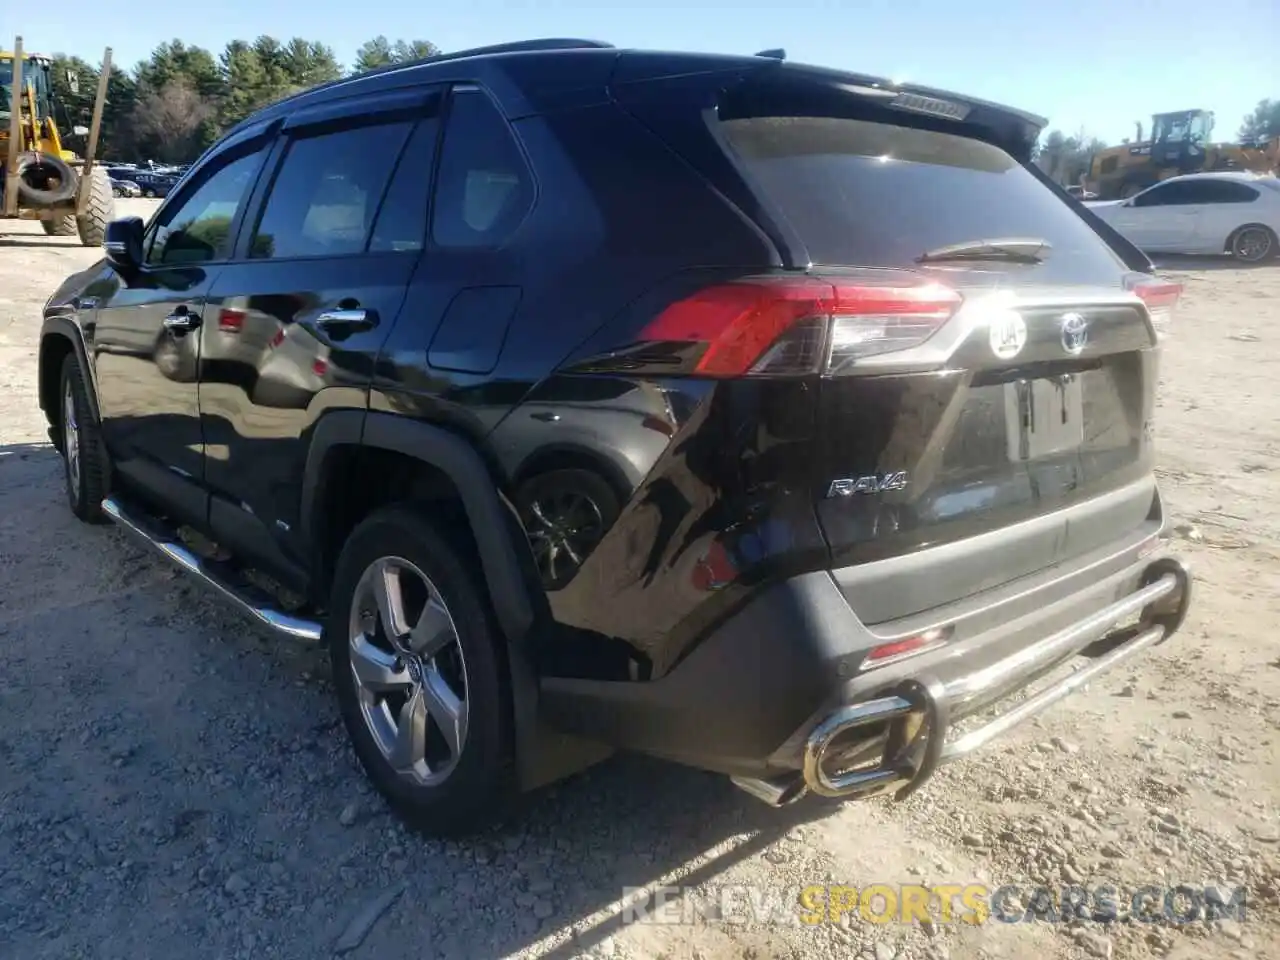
(484, 188)
(197, 229)
(1165, 195)
(327, 192)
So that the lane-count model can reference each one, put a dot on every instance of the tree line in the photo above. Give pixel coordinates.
(172, 105)
(179, 100)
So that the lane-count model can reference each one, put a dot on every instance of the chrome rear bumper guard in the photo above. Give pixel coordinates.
(918, 711)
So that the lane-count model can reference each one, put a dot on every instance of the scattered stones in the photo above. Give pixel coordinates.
(350, 813)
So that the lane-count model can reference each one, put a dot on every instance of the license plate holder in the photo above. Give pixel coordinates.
(1043, 417)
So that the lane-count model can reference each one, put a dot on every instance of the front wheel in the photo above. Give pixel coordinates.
(420, 674)
(62, 226)
(83, 457)
(1254, 243)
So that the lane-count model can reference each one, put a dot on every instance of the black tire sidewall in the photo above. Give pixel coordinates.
(86, 500)
(482, 781)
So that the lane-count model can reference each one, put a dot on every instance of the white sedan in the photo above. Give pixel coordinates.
(1204, 213)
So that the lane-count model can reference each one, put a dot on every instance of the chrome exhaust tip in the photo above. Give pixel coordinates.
(776, 792)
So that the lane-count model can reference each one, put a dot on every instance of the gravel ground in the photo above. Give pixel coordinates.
(175, 785)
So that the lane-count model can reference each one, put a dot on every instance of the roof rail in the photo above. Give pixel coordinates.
(774, 53)
(515, 46)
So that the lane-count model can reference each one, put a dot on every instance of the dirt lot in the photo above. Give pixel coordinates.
(175, 785)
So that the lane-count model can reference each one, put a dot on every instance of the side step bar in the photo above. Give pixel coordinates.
(250, 601)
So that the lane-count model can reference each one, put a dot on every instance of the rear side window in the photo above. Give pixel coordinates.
(327, 191)
(864, 193)
(484, 187)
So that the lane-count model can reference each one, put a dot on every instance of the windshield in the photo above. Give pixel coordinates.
(864, 193)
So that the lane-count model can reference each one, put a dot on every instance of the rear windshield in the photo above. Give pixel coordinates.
(864, 193)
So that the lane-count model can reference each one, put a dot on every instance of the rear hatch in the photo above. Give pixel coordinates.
(987, 361)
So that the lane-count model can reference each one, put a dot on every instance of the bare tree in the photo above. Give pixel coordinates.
(168, 123)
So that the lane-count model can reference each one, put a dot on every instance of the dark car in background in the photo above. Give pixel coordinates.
(757, 416)
(150, 183)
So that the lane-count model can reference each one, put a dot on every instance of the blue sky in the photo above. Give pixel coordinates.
(1088, 63)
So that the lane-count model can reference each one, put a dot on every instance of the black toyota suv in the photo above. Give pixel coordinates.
(765, 418)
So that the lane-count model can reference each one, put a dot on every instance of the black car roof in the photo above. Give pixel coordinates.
(584, 63)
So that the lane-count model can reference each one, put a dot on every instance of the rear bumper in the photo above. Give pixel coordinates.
(781, 694)
(918, 714)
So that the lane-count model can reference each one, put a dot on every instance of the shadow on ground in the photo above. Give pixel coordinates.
(203, 781)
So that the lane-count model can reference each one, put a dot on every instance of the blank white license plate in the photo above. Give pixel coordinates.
(1043, 417)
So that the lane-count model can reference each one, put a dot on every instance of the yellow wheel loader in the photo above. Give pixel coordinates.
(43, 180)
(1180, 143)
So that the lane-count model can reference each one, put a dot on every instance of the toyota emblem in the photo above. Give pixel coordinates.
(1075, 333)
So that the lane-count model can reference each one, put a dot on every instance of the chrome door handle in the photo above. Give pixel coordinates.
(343, 323)
(180, 322)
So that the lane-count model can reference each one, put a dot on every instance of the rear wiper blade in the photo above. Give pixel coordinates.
(1012, 249)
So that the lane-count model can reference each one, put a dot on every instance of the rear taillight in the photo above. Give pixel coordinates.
(777, 326)
(231, 321)
(1161, 299)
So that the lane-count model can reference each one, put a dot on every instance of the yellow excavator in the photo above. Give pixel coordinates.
(1180, 143)
(42, 179)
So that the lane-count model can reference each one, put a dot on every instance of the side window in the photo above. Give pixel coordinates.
(326, 192)
(402, 221)
(1224, 191)
(484, 188)
(197, 229)
(1164, 195)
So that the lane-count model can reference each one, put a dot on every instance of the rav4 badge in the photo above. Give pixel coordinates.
(872, 483)
(1008, 334)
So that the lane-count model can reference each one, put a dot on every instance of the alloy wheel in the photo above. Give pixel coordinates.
(563, 528)
(1252, 244)
(409, 671)
(71, 439)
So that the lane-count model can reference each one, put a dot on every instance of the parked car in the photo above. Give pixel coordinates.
(125, 188)
(865, 482)
(1234, 213)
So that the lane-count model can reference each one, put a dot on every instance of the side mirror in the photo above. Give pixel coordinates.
(123, 245)
(80, 130)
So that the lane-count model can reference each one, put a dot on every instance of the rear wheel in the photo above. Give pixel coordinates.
(1253, 243)
(101, 206)
(64, 226)
(83, 453)
(419, 671)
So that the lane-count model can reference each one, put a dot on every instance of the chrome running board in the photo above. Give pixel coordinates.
(147, 531)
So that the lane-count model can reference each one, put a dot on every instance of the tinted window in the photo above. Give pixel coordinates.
(1171, 194)
(197, 229)
(1227, 191)
(484, 188)
(875, 194)
(402, 221)
(326, 192)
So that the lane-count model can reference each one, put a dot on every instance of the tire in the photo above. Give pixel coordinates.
(1253, 243)
(451, 793)
(64, 226)
(148, 193)
(36, 197)
(98, 212)
(83, 452)
(566, 513)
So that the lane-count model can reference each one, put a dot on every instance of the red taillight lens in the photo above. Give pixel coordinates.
(231, 321)
(801, 324)
(1161, 298)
